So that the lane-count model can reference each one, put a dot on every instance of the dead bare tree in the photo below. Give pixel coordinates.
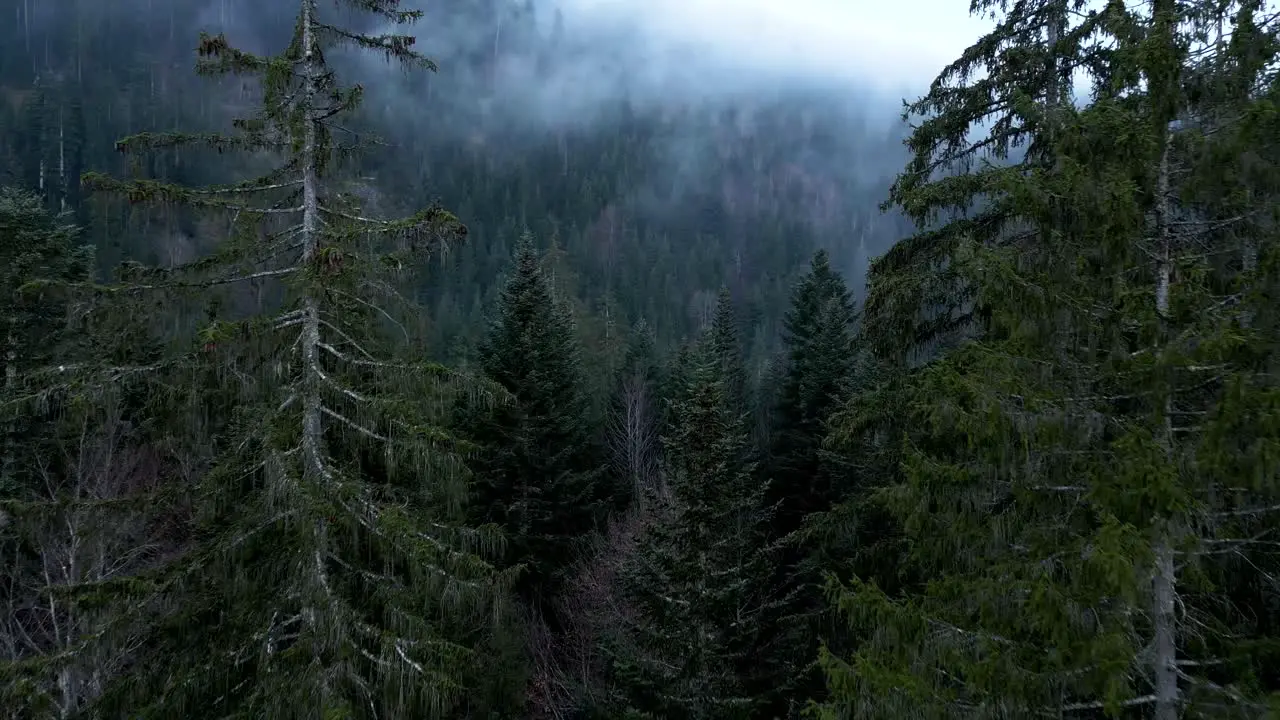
(569, 668)
(633, 434)
(85, 526)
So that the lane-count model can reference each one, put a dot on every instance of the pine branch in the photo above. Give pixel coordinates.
(394, 47)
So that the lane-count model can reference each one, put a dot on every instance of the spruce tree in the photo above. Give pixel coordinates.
(923, 297)
(724, 337)
(1005, 93)
(1062, 488)
(696, 580)
(1228, 141)
(674, 381)
(815, 380)
(818, 373)
(37, 250)
(537, 467)
(83, 502)
(332, 575)
(39, 254)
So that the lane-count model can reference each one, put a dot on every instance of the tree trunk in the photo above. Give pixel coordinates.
(1164, 580)
(7, 462)
(1166, 651)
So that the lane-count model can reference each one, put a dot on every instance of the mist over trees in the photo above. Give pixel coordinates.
(524, 127)
(377, 359)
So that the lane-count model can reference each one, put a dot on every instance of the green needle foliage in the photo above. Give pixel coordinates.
(38, 253)
(538, 472)
(1079, 547)
(815, 379)
(696, 581)
(1010, 86)
(331, 574)
(725, 338)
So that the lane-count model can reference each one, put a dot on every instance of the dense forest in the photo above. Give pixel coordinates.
(370, 360)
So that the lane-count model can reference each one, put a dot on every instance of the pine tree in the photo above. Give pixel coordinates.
(536, 466)
(331, 575)
(725, 341)
(818, 373)
(815, 380)
(696, 578)
(1006, 92)
(1061, 489)
(38, 255)
(36, 249)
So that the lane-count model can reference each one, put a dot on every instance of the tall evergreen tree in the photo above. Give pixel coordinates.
(675, 379)
(537, 467)
(696, 578)
(922, 299)
(332, 575)
(724, 338)
(818, 373)
(38, 254)
(814, 380)
(37, 250)
(1014, 84)
(1061, 486)
(81, 502)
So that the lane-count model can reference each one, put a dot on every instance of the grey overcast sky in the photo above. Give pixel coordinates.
(892, 45)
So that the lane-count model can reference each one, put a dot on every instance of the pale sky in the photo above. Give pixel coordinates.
(893, 45)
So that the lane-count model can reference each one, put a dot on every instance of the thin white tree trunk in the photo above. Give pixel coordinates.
(1166, 649)
(1164, 579)
(312, 410)
(62, 160)
(10, 384)
(314, 463)
(1057, 26)
(1164, 234)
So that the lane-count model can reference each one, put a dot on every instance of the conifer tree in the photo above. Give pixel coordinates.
(1227, 140)
(922, 299)
(815, 380)
(332, 575)
(696, 578)
(35, 248)
(81, 502)
(725, 342)
(1014, 84)
(537, 468)
(1061, 487)
(674, 381)
(819, 369)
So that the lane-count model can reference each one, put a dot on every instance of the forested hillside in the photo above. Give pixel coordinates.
(384, 359)
(656, 197)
